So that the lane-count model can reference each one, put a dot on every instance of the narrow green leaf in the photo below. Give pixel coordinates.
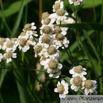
(90, 4)
(2, 75)
(17, 23)
(13, 8)
(84, 26)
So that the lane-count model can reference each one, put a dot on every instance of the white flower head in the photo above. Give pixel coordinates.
(23, 44)
(62, 89)
(52, 52)
(9, 45)
(76, 82)
(45, 15)
(39, 49)
(9, 55)
(46, 40)
(48, 21)
(76, 2)
(2, 40)
(46, 29)
(89, 86)
(52, 65)
(28, 27)
(59, 15)
(78, 71)
(31, 41)
(58, 5)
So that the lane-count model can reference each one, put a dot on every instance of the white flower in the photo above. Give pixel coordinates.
(57, 43)
(59, 15)
(76, 2)
(78, 71)
(28, 27)
(2, 41)
(46, 40)
(9, 55)
(60, 41)
(62, 89)
(31, 41)
(52, 65)
(46, 29)
(39, 49)
(23, 44)
(77, 82)
(1, 57)
(89, 86)
(9, 45)
(58, 5)
(48, 21)
(65, 43)
(52, 52)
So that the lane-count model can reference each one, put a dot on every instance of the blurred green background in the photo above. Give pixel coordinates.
(20, 86)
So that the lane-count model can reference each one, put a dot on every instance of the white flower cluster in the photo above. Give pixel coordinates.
(23, 42)
(76, 2)
(62, 89)
(80, 82)
(52, 38)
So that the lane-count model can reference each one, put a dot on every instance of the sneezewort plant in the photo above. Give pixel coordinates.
(52, 39)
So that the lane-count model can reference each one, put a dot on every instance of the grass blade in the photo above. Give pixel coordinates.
(84, 26)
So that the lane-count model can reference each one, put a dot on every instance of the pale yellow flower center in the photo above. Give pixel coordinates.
(13, 39)
(60, 88)
(51, 50)
(22, 42)
(47, 21)
(2, 40)
(38, 49)
(9, 44)
(60, 12)
(57, 6)
(77, 81)
(59, 36)
(46, 39)
(45, 15)
(88, 84)
(52, 64)
(46, 30)
(22, 34)
(57, 30)
(8, 54)
(27, 26)
(31, 39)
(78, 69)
